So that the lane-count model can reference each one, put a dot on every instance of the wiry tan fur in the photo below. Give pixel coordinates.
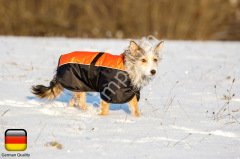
(130, 59)
(132, 56)
(52, 91)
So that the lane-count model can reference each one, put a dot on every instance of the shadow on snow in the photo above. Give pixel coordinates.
(93, 99)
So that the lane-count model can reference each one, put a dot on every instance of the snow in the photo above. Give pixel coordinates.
(184, 113)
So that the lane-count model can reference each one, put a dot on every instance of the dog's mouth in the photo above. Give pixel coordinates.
(148, 77)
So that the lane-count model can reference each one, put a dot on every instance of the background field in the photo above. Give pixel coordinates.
(168, 19)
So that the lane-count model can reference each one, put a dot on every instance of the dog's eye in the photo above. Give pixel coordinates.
(144, 60)
(155, 60)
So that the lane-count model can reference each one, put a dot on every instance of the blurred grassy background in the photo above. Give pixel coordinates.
(169, 19)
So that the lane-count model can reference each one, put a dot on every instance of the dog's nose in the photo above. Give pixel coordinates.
(153, 72)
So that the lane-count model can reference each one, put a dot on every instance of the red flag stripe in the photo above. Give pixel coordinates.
(15, 140)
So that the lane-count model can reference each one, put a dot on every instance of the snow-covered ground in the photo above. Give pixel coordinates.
(190, 110)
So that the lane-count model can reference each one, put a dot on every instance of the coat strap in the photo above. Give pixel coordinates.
(92, 64)
(96, 58)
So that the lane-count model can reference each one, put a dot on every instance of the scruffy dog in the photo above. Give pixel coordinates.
(118, 78)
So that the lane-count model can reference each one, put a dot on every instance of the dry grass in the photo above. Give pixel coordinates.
(227, 110)
(54, 144)
(171, 19)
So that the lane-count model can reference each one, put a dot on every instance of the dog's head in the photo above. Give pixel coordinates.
(145, 57)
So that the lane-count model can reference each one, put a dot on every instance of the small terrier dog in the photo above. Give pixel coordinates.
(118, 78)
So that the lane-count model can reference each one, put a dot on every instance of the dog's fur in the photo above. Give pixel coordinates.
(140, 60)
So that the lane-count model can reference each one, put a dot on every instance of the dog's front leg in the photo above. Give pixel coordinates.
(104, 108)
(133, 104)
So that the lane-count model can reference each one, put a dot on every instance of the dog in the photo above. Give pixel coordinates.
(118, 78)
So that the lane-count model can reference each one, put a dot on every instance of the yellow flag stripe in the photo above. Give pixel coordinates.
(16, 147)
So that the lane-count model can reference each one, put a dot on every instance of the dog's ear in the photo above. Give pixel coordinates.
(159, 46)
(133, 47)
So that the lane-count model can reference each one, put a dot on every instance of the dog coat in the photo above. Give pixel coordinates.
(96, 72)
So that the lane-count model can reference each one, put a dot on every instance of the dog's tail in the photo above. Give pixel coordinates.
(50, 92)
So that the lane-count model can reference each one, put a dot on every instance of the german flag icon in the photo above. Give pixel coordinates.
(15, 139)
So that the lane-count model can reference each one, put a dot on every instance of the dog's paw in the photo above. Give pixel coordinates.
(103, 113)
(83, 107)
(71, 103)
(136, 114)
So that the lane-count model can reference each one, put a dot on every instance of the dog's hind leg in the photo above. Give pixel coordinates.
(82, 102)
(104, 108)
(73, 100)
(79, 100)
(133, 104)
